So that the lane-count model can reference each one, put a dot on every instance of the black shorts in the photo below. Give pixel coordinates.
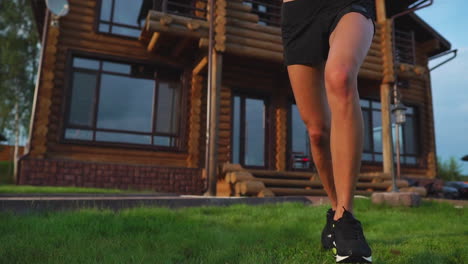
(306, 26)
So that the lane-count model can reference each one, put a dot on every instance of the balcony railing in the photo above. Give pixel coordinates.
(188, 8)
(404, 47)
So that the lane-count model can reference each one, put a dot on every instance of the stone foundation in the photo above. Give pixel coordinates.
(49, 172)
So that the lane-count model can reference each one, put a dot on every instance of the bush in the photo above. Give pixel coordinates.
(449, 170)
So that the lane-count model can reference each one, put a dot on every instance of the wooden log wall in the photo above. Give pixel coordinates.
(44, 94)
(237, 31)
(77, 33)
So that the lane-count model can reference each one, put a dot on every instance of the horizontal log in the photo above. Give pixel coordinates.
(311, 192)
(177, 30)
(290, 183)
(248, 33)
(282, 174)
(254, 52)
(244, 16)
(248, 42)
(155, 16)
(238, 6)
(253, 26)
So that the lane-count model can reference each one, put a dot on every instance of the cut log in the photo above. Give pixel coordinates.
(265, 193)
(251, 187)
(237, 176)
(227, 167)
(223, 188)
(290, 183)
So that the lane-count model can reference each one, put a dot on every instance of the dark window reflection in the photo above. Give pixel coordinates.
(249, 131)
(82, 104)
(123, 17)
(122, 97)
(125, 103)
(300, 142)
(373, 138)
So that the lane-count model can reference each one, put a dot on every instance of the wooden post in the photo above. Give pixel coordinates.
(213, 122)
(386, 88)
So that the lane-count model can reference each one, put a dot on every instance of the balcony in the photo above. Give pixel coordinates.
(249, 28)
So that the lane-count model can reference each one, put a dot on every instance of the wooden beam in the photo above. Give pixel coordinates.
(200, 66)
(154, 40)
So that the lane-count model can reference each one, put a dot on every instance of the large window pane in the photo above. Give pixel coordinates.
(125, 103)
(377, 130)
(123, 138)
(82, 99)
(410, 138)
(254, 131)
(168, 106)
(299, 137)
(126, 12)
(367, 132)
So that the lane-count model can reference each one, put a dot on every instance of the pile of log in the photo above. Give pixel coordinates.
(238, 181)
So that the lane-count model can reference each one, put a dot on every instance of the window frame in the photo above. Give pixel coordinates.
(267, 149)
(415, 116)
(180, 136)
(97, 22)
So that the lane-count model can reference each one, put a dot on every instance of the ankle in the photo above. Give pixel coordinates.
(340, 211)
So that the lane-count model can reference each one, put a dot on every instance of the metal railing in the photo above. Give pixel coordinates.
(188, 8)
(268, 11)
(404, 47)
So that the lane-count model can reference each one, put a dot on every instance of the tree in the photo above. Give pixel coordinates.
(449, 170)
(19, 50)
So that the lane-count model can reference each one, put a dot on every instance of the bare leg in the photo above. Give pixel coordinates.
(309, 91)
(349, 44)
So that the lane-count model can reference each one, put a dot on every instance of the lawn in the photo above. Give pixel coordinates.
(282, 233)
(5, 189)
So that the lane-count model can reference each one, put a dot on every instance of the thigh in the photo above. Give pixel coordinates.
(349, 43)
(309, 92)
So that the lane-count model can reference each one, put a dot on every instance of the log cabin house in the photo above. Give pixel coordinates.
(121, 98)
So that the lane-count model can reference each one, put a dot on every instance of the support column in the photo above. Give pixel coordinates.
(386, 87)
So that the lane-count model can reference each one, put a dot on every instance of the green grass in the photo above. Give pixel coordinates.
(6, 172)
(59, 189)
(282, 233)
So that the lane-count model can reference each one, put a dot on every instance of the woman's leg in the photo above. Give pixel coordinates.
(308, 87)
(349, 44)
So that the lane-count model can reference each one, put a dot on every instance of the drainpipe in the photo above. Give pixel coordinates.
(445, 61)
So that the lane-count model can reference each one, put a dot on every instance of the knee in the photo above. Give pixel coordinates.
(319, 136)
(340, 82)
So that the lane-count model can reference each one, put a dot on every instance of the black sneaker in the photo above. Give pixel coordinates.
(350, 245)
(327, 232)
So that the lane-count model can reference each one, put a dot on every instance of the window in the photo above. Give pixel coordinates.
(371, 111)
(249, 131)
(268, 11)
(123, 103)
(126, 17)
(123, 17)
(299, 152)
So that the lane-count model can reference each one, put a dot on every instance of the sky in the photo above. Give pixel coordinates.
(450, 81)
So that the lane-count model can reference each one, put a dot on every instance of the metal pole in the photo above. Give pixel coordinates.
(397, 134)
(208, 100)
